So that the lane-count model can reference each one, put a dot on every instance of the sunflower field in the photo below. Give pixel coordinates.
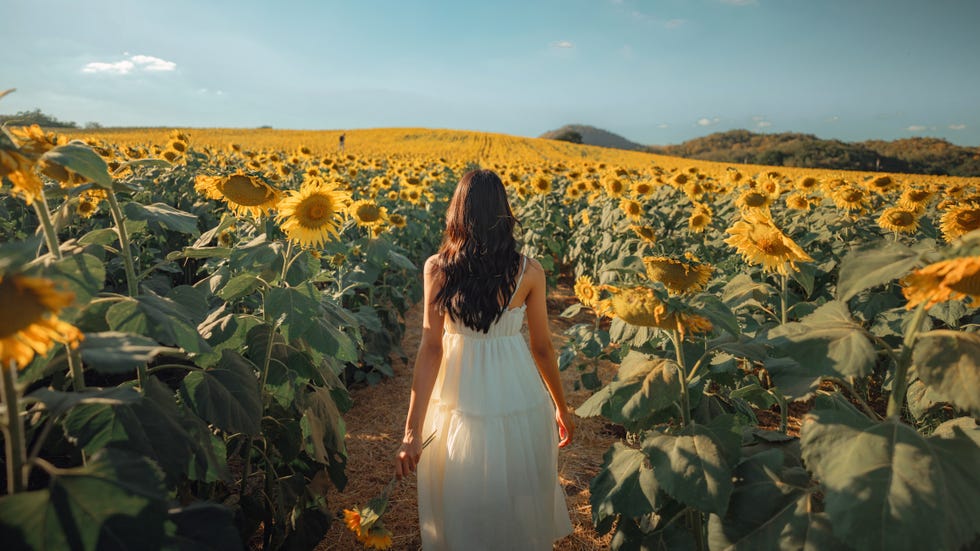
(186, 310)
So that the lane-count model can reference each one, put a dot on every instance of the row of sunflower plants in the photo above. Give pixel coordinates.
(173, 373)
(869, 334)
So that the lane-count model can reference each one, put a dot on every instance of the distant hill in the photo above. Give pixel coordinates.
(911, 155)
(593, 136)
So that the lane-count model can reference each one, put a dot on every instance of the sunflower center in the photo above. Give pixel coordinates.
(25, 308)
(918, 195)
(853, 196)
(368, 213)
(755, 199)
(698, 220)
(314, 211)
(968, 220)
(772, 246)
(244, 190)
(901, 218)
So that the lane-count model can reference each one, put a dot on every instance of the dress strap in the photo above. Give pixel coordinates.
(520, 278)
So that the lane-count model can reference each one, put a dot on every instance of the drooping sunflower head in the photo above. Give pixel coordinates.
(806, 183)
(694, 190)
(645, 233)
(899, 220)
(641, 306)
(915, 198)
(797, 201)
(759, 241)
(30, 323)
(941, 281)
(312, 215)
(700, 219)
(882, 184)
(367, 213)
(753, 199)
(679, 277)
(960, 220)
(243, 194)
(632, 209)
(397, 220)
(19, 169)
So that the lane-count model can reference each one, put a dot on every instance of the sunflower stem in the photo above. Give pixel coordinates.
(13, 431)
(132, 283)
(782, 297)
(682, 373)
(899, 385)
(50, 235)
(287, 260)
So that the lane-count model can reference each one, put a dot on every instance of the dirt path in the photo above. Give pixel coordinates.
(374, 429)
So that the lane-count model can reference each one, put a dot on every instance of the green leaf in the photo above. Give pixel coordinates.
(204, 525)
(78, 157)
(626, 485)
(154, 427)
(101, 236)
(873, 264)
(82, 274)
(398, 260)
(226, 396)
(239, 286)
(771, 508)
(57, 402)
(888, 487)
(947, 361)
(323, 426)
(719, 313)
(14, 255)
(116, 501)
(163, 215)
(114, 352)
(296, 308)
(691, 468)
(643, 386)
(160, 318)
(827, 342)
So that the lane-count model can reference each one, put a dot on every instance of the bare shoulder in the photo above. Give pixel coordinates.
(431, 264)
(534, 267)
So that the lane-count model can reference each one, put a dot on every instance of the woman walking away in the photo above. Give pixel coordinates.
(489, 479)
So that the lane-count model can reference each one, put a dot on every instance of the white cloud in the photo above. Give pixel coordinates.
(835, 118)
(126, 66)
(763, 124)
(916, 128)
(562, 44)
(117, 68)
(705, 121)
(663, 125)
(960, 126)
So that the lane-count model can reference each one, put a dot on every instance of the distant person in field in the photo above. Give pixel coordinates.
(488, 480)
(342, 136)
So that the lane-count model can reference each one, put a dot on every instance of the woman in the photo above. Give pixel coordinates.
(488, 480)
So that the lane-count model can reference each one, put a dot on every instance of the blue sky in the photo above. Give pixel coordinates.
(656, 72)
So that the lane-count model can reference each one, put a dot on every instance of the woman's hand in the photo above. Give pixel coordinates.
(566, 426)
(407, 457)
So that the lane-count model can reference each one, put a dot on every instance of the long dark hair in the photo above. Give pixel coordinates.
(478, 258)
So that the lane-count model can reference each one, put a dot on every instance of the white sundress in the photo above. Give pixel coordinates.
(489, 479)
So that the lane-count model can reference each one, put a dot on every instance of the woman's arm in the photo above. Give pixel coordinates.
(427, 363)
(543, 351)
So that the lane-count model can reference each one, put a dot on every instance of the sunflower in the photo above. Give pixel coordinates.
(30, 324)
(679, 277)
(694, 190)
(352, 519)
(397, 220)
(86, 207)
(641, 306)
(797, 201)
(585, 291)
(882, 184)
(960, 220)
(915, 198)
(807, 183)
(541, 184)
(614, 186)
(20, 171)
(680, 179)
(377, 537)
(642, 189)
(700, 218)
(752, 199)
(312, 214)
(646, 233)
(244, 194)
(632, 209)
(760, 242)
(899, 220)
(946, 280)
(850, 198)
(573, 193)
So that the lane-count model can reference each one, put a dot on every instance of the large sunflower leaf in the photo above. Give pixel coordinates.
(690, 466)
(872, 265)
(163, 215)
(115, 502)
(643, 386)
(227, 396)
(625, 485)
(78, 157)
(160, 318)
(949, 362)
(888, 487)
